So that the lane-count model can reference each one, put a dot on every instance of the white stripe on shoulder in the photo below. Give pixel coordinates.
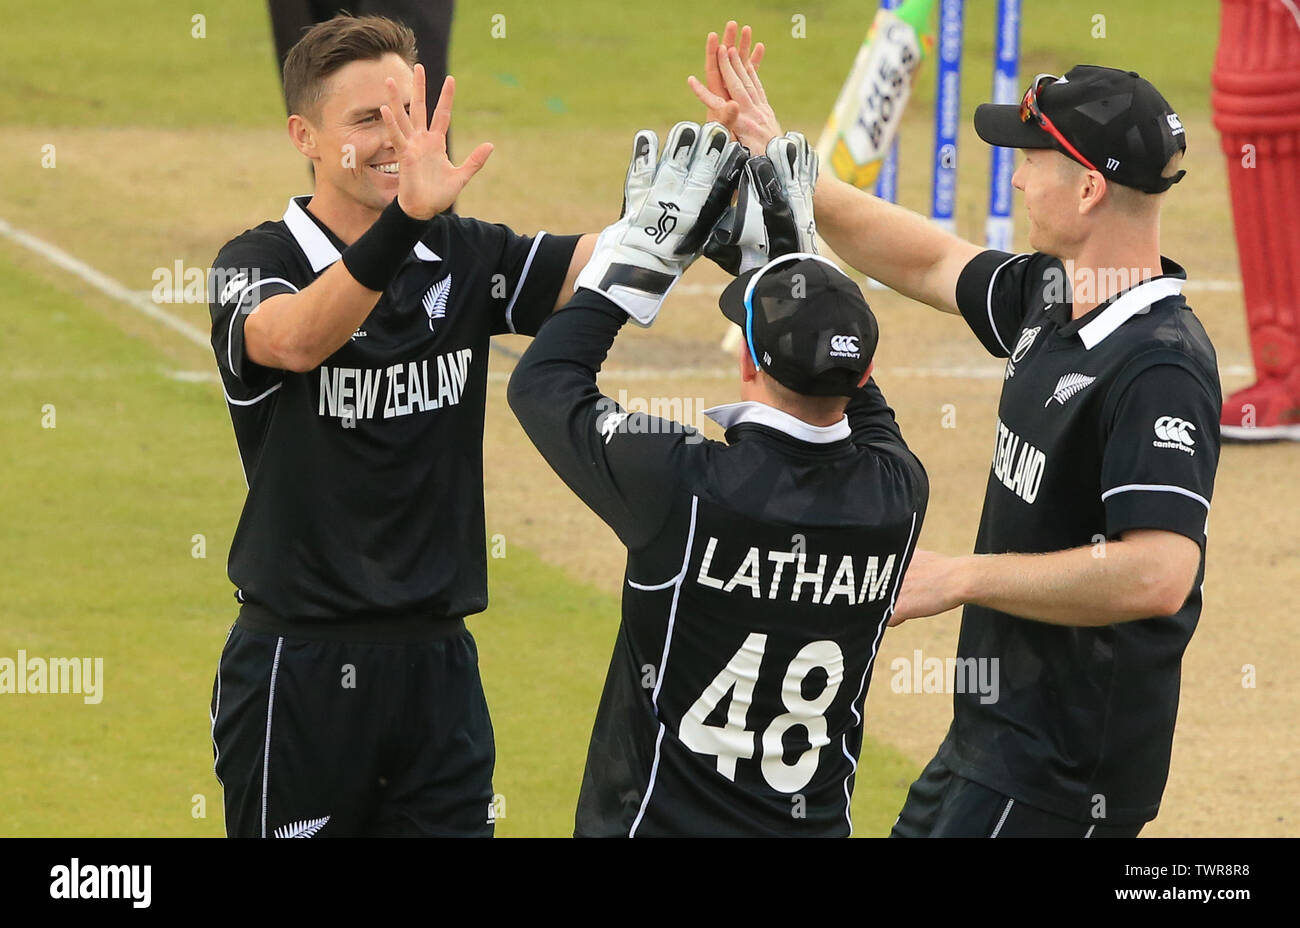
(528, 263)
(239, 301)
(988, 300)
(1156, 488)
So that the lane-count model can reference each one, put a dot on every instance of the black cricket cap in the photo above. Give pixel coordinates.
(805, 322)
(1116, 119)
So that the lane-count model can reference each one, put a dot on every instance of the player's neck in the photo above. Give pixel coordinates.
(342, 215)
(1104, 268)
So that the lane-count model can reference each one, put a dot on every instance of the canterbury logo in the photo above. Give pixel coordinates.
(1170, 429)
(845, 345)
(667, 222)
(1067, 386)
(435, 301)
(304, 829)
(236, 284)
(613, 422)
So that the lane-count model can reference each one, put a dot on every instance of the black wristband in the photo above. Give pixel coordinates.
(374, 258)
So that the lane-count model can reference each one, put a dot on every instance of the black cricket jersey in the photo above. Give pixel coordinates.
(1106, 424)
(760, 576)
(365, 475)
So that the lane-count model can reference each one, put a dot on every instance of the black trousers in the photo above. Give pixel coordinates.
(942, 804)
(347, 739)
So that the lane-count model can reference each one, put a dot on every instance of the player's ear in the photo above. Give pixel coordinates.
(302, 134)
(870, 367)
(1092, 191)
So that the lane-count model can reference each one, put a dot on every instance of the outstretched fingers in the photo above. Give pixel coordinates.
(442, 111)
(730, 69)
(474, 163)
(396, 110)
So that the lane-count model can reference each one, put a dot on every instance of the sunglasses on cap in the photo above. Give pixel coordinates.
(1029, 109)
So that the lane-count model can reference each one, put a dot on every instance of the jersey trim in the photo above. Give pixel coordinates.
(320, 252)
(663, 665)
(1003, 820)
(1132, 303)
(216, 710)
(255, 400)
(519, 287)
(875, 645)
(653, 586)
(988, 301)
(266, 752)
(234, 314)
(1159, 488)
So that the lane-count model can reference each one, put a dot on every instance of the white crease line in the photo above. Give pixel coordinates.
(103, 283)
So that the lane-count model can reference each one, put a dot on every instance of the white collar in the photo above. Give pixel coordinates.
(1133, 303)
(317, 246)
(762, 414)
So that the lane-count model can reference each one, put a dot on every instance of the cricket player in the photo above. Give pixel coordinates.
(761, 570)
(1085, 587)
(352, 339)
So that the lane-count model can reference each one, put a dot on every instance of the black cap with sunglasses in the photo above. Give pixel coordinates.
(1110, 121)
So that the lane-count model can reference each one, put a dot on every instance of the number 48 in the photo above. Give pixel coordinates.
(732, 741)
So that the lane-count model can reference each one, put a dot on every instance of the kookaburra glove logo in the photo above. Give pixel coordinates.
(667, 222)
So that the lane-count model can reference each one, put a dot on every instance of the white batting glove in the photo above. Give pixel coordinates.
(773, 214)
(671, 202)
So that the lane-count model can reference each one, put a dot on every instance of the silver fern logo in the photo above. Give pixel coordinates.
(1067, 386)
(435, 301)
(307, 828)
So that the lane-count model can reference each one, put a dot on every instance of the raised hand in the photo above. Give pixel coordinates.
(734, 95)
(671, 202)
(427, 181)
(713, 77)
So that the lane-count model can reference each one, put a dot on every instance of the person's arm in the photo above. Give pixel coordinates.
(1157, 480)
(899, 248)
(297, 331)
(620, 465)
(581, 255)
(1146, 573)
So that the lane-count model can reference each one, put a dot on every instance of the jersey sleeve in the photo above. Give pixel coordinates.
(1161, 452)
(991, 297)
(247, 271)
(526, 273)
(623, 465)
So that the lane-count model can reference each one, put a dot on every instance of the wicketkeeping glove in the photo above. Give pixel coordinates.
(773, 215)
(671, 202)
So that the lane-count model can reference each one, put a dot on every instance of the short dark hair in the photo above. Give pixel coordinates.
(330, 45)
